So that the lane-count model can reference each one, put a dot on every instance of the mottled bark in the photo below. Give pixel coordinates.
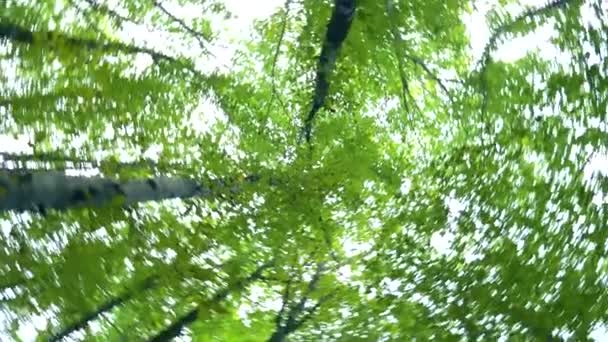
(40, 191)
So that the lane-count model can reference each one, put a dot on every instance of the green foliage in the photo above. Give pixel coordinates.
(495, 157)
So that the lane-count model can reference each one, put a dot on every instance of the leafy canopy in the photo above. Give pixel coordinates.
(420, 142)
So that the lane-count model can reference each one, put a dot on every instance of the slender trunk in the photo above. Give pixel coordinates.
(54, 190)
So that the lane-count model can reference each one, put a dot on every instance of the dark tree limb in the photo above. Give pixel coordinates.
(431, 74)
(312, 310)
(175, 329)
(106, 307)
(285, 304)
(16, 33)
(337, 30)
(19, 34)
(312, 286)
(298, 314)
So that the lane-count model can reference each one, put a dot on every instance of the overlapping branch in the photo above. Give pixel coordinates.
(431, 74)
(405, 91)
(119, 18)
(556, 4)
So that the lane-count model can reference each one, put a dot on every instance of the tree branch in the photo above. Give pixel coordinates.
(311, 311)
(405, 91)
(20, 34)
(397, 48)
(147, 284)
(119, 18)
(274, 61)
(197, 35)
(431, 74)
(555, 4)
(486, 56)
(175, 329)
(283, 329)
(284, 305)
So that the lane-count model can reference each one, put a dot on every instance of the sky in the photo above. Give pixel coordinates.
(238, 28)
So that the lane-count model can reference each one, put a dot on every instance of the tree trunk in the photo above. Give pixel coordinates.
(39, 191)
(279, 335)
(337, 30)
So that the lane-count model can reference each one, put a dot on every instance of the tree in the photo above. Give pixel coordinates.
(300, 193)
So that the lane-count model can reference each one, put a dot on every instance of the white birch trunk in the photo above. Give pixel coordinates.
(42, 190)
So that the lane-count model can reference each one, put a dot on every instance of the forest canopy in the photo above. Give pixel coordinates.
(346, 170)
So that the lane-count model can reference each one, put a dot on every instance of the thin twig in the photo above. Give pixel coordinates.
(20, 34)
(119, 18)
(274, 62)
(396, 50)
(197, 35)
(430, 73)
